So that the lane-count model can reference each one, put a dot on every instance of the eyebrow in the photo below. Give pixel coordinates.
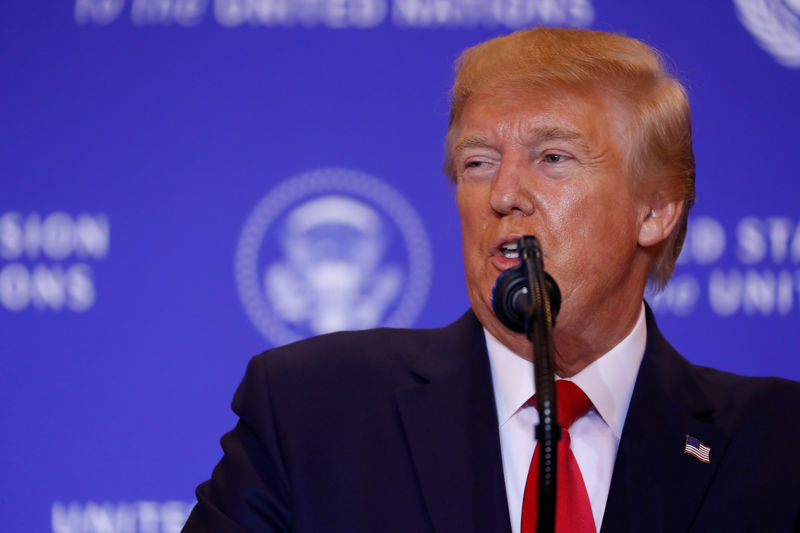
(553, 133)
(540, 133)
(471, 141)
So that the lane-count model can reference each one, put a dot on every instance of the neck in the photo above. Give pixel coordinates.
(578, 343)
(573, 352)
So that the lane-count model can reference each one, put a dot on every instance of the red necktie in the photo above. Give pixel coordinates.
(573, 511)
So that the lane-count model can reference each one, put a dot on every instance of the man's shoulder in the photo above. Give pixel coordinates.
(346, 375)
(356, 344)
(731, 400)
(737, 402)
(747, 396)
(365, 355)
(723, 388)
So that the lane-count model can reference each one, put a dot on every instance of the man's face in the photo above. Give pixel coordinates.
(552, 165)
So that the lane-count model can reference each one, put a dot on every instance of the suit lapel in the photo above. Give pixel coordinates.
(655, 485)
(451, 426)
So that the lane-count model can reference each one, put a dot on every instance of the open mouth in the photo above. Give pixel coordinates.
(509, 250)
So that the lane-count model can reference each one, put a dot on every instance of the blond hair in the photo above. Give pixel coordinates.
(660, 157)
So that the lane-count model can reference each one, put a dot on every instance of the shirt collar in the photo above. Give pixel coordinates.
(608, 381)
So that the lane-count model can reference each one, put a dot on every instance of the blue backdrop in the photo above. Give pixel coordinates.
(168, 167)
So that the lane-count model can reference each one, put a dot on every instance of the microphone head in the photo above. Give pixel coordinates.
(511, 299)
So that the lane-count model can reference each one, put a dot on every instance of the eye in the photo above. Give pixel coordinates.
(474, 164)
(553, 158)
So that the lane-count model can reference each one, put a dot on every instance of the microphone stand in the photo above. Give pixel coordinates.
(539, 321)
(526, 300)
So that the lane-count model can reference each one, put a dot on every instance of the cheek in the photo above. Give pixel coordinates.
(471, 212)
(602, 243)
(580, 229)
(467, 220)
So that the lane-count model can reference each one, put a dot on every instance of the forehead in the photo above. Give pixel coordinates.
(583, 118)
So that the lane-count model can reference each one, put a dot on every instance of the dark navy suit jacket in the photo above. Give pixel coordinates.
(396, 431)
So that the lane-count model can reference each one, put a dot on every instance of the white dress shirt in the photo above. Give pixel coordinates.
(608, 382)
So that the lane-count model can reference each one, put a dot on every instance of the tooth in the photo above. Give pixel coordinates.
(508, 246)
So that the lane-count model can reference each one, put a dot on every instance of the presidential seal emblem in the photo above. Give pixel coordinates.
(330, 250)
(776, 26)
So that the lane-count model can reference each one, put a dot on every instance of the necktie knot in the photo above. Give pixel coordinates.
(571, 402)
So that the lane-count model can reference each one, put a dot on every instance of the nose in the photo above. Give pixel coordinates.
(511, 190)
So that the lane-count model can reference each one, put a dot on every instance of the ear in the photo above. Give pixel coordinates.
(659, 222)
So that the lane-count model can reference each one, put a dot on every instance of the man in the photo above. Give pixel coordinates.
(582, 139)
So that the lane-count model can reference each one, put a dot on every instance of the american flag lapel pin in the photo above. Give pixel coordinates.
(697, 448)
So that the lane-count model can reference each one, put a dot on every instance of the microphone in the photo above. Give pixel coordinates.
(526, 299)
(511, 299)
